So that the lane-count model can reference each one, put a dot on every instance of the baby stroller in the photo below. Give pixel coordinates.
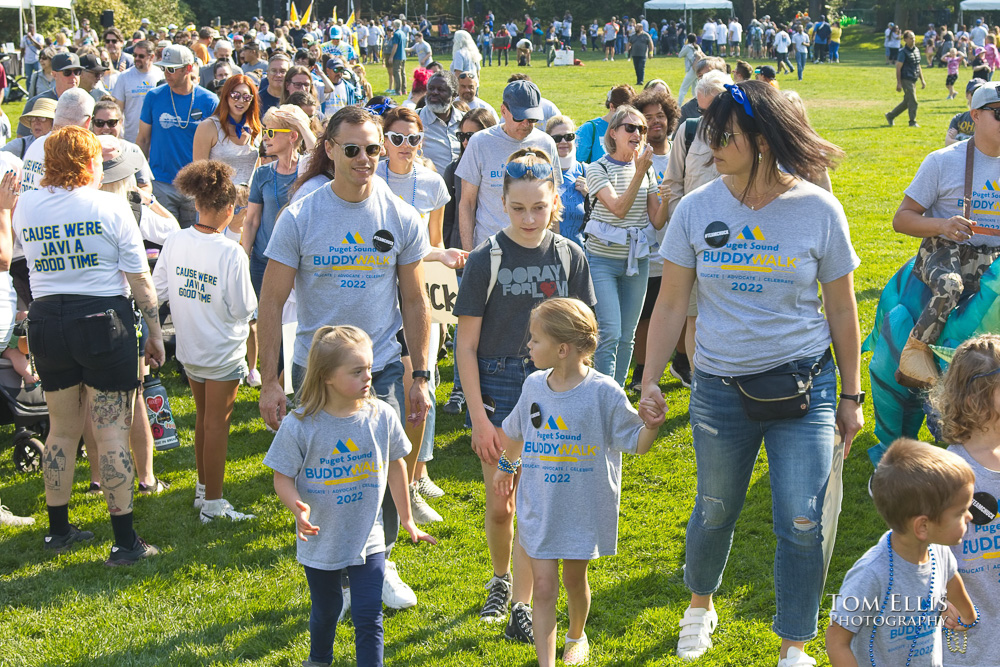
(27, 411)
(17, 87)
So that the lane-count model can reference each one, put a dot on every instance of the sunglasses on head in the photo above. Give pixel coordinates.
(539, 170)
(464, 136)
(569, 136)
(111, 122)
(72, 72)
(467, 75)
(269, 133)
(397, 139)
(632, 127)
(352, 150)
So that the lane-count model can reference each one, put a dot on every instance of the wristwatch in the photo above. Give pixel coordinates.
(417, 375)
(858, 398)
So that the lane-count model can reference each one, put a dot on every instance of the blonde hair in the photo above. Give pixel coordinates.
(966, 395)
(569, 321)
(619, 118)
(121, 187)
(326, 354)
(529, 157)
(916, 479)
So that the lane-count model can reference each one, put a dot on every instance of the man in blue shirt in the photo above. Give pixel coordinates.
(169, 118)
(397, 56)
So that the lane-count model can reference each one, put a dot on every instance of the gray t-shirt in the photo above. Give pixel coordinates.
(758, 273)
(939, 187)
(423, 189)
(339, 465)
(976, 563)
(527, 276)
(863, 594)
(344, 275)
(131, 88)
(483, 165)
(572, 463)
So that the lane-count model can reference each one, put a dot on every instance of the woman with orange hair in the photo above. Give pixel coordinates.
(232, 134)
(84, 253)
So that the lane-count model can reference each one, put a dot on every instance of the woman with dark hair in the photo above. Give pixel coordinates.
(232, 134)
(82, 330)
(298, 79)
(590, 136)
(762, 334)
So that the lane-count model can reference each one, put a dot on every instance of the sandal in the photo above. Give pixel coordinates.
(158, 486)
(94, 488)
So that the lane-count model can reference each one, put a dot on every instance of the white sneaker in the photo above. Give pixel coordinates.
(253, 378)
(347, 603)
(221, 509)
(697, 627)
(199, 495)
(428, 489)
(8, 518)
(421, 511)
(796, 658)
(395, 593)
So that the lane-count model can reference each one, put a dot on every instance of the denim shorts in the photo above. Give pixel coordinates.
(238, 374)
(501, 379)
(89, 340)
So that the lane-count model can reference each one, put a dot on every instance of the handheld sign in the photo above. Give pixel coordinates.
(442, 288)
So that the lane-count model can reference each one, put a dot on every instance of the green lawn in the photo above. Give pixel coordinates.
(223, 594)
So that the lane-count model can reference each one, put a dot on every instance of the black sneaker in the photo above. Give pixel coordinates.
(680, 368)
(519, 626)
(888, 119)
(497, 600)
(60, 543)
(131, 556)
(456, 403)
(913, 123)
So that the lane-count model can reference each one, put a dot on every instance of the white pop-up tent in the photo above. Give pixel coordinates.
(687, 6)
(20, 5)
(977, 6)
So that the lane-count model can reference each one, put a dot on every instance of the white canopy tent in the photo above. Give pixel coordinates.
(973, 6)
(21, 5)
(687, 6)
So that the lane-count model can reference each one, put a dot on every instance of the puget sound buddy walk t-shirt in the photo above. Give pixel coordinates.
(572, 458)
(345, 255)
(757, 273)
(339, 465)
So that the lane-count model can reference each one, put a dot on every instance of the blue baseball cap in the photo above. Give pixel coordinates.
(523, 100)
(335, 32)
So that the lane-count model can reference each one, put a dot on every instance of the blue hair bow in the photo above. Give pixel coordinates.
(740, 97)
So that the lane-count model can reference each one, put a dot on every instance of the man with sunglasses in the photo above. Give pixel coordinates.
(958, 246)
(441, 120)
(67, 70)
(75, 107)
(167, 123)
(348, 248)
(480, 211)
(90, 80)
(468, 89)
(343, 91)
(132, 85)
(114, 41)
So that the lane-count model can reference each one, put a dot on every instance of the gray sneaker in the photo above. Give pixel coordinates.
(8, 518)
(428, 489)
(422, 512)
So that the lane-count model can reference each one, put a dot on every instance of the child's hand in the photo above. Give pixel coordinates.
(417, 535)
(503, 483)
(302, 525)
(950, 617)
(651, 412)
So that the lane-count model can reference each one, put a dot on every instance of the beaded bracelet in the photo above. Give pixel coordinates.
(958, 619)
(506, 466)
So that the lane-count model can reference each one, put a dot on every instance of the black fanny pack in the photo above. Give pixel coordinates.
(779, 393)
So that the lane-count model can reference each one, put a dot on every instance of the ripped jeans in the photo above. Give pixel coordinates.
(799, 455)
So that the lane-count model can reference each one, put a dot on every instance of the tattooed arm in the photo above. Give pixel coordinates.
(145, 297)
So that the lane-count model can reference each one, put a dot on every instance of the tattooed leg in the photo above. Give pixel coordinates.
(66, 416)
(111, 414)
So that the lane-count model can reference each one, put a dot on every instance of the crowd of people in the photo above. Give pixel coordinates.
(272, 186)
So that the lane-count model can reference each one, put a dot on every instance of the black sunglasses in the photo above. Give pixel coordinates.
(111, 122)
(569, 136)
(464, 136)
(632, 127)
(521, 120)
(72, 72)
(352, 150)
(995, 110)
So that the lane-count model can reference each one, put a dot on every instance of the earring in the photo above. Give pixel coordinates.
(760, 157)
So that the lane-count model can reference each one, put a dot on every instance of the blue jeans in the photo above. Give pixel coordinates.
(501, 378)
(366, 610)
(387, 384)
(800, 60)
(29, 69)
(799, 457)
(835, 52)
(783, 58)
(619, 304)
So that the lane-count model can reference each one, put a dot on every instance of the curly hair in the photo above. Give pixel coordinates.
(69, 152)
(966, 396)
(210, 182)
(663, 100)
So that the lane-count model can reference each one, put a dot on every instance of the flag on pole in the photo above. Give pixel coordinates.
(305, 17)
(350, 20)
(354, 33)
(292, 14)
(335, 14)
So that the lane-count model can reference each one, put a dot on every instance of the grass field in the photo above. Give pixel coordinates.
(233, 593)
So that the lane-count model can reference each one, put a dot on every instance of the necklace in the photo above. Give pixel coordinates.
(211, 230)
(762, 199)
(177, 115)
(885, 601)
(413, 196)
